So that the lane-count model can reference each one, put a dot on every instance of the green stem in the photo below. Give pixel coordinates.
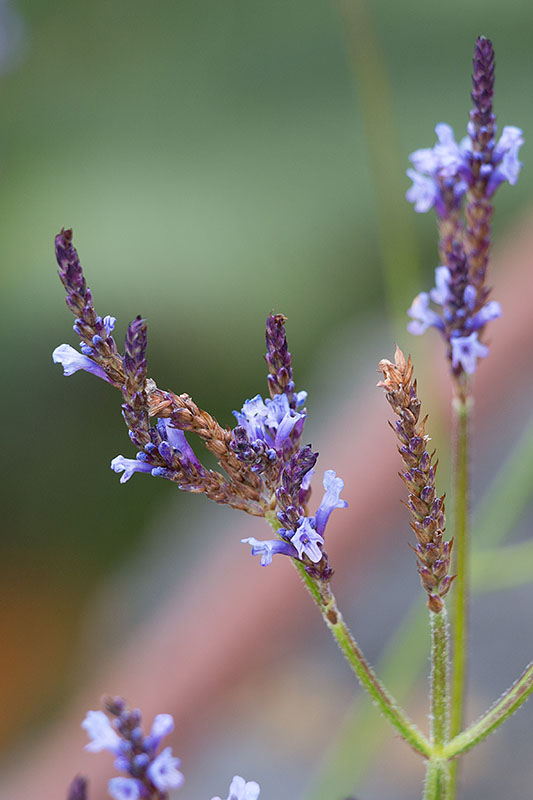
(462, 407)
(438, 771)
(439, 678)
(500, 711)
(327, 604)
(437, 783)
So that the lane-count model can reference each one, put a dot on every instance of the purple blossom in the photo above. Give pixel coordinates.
(162, 726)
(124, 789)
(242, 790)
(128, 466)
(422, 316)
(178, 441)
(441, 293)
(306, 541)
(72, 361)
(271, 421)
(423, 193)
(466, 350)
(101, 733)
(487, 313)
(269, 548)
(163, 771)
(436, 168)
(333, 487)
(505, 158)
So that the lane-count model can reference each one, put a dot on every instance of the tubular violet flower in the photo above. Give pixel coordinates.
(72, 361)
(101, 733)
(163, 771)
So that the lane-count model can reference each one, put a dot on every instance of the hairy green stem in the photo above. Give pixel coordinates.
(437, 770)
(437, 783)
(439, 678)
(508, 703)
(325, 600)
(462, 408)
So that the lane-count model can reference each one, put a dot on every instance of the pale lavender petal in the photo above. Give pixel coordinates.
(423, 193)
(269, 548)
(333, 487)
(72, 361)
(128, 466)
(101, 733)
(466, 350)
(124, 789)
(306, 541)
(163, 771)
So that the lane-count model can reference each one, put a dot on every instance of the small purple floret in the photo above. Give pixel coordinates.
(128, 466)
(163, 771)
(466, 350)
(306, 541)
(269, 548)
(124, 789)
(333, 487)
(242, 790)
(72, 361)
(101, 733)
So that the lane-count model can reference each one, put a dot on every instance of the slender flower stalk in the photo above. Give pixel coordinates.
(508, 703)
(462, 408)
(366, 676)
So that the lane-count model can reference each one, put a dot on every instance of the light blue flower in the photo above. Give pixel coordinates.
(72, 361)
(492, 310)
(242, 790)
(124, 789)
(422, 316)
(441, 293)
(306, 541)
(333, 487)
(423, 193)
(163, 771)
(270, 421)
(162, 726)
(466, 350)
(101, 733)
(128, 466)
(269, 548)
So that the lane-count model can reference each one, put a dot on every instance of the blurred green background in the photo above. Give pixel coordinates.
(216, 160)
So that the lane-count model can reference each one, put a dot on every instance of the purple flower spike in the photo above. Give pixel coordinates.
(124, 789)
(100, 732)
(72, 361)
(163, 771)
(306, 541)
(268, 549)
(465, 352)
(242, 790)
(333, 487)
(278, 359)
(128, 466)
